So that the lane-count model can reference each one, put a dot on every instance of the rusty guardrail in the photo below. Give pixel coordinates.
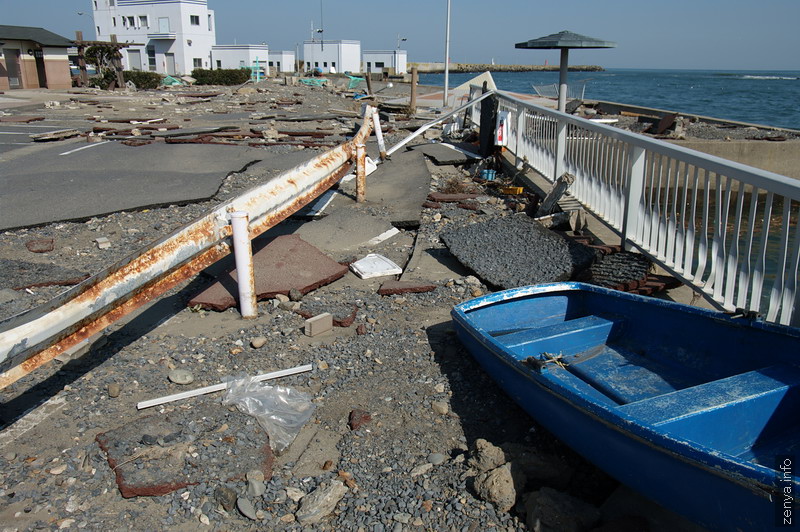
(35, 337)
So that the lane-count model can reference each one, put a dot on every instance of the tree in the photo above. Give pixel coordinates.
(101, 57)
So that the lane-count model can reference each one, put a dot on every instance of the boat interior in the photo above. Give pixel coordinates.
(732, 388)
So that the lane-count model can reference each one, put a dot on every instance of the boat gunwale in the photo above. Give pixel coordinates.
(756, 477)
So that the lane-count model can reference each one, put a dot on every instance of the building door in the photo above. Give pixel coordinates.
(12, 66)
(170, 58)
(135, 59)
(40, 71)
(163, 25)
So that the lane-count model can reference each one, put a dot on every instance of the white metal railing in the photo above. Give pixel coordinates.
(729, 230)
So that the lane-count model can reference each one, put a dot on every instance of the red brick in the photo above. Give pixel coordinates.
(390, 288)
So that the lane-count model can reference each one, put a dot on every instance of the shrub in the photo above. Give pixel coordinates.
(231, 76)
(143, 80)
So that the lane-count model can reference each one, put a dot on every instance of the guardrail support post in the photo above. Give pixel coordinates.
(361, 173)
(633, 195)
(243, 254)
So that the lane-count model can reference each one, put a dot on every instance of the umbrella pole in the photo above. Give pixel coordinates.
(562, 80)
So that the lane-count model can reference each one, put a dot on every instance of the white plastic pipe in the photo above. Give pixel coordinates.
(376, 121)
(243, 254)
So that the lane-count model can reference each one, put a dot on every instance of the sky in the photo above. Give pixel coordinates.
(673, 34)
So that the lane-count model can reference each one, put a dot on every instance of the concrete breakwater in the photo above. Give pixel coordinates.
(435, 68)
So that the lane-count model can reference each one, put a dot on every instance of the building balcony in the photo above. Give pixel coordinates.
(168, 36)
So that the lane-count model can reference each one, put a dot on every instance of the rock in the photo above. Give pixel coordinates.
(256, 475)
(42, 245)
(358, 418)
(497, 486)
(10, 456)
(295, 494)
(440, 407)
(319, 503)
(258, 342)
(295, 295)
(361, 330)
(58, 469)
(402, 517)
(102, 242)
(246, 508)
(181, 376)
(113, 390)
(322, 365)
(256, 488)
(226, 497)
(421, 469)
(550, 510)
(282, 298)
(437, 458)
(204, 519)
(485, 456)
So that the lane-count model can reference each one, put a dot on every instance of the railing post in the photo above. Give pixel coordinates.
(633, 195)
(518, 160)
(361, 173)
(561, 147)
(243, 255)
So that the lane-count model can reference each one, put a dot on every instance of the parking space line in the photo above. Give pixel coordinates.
(85, 147)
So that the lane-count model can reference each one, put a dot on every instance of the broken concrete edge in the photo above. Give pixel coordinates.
(319, 324)
(127, 491)
(345, 322)
(390, 288)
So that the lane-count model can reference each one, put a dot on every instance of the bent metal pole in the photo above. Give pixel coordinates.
(243, 255)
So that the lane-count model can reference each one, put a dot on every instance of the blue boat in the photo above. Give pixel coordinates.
(692, 408)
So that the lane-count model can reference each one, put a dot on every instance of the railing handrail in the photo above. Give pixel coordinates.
(764, 179)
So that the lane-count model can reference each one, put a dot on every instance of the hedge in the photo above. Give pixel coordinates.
(142, 80)
(231, 76)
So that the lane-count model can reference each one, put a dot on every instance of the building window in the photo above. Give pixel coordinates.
(242, 65)
(369, 66)
(131, 22)
(97, 29)
(194, 20)
(197, 62)
(325, 64)
(143, 21)
(151, 59)
(114, 21)
(111, 3)
(333, 64)
(270, 63)
(308, 65)
(219, 63)
(95, 4)
(316, 64)
(209, 23)
(279, 65)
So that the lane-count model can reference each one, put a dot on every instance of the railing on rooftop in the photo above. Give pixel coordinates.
(728, 230)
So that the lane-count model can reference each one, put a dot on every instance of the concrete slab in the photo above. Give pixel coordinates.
(77, 180)
(399, 185)
(285, 263)
(442, 154)
(343, 230)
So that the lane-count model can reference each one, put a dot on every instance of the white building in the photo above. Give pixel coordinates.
(332, 56)
(377, 60)
(173, 36)
(240, 56)
(283, 61)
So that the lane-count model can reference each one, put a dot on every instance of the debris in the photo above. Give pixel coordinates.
(375, 265)
(219, 387)
(389, 288)
(319, 324)
(20, 274)
(21, 119)
(226, 497)
(285, 263)
(102, 242)
(59, 134)
(181, 376)
(114, 390)
(42, 245)
(246, 507)
(441, 197)
(560, 186)
(358, 418)
(258, 342)
(497, 486)
(321, 502)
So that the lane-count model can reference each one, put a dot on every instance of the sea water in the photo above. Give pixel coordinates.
(758, 97)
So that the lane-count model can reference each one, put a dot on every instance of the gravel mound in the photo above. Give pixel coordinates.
(516, 251)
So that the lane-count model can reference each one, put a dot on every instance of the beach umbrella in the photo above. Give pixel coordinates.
(564, 40)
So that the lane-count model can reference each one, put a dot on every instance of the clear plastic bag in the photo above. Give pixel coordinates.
(280, 411)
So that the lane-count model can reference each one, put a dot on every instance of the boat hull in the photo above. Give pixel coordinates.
(714, 490)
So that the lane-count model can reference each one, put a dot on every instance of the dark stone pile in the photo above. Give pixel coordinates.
(515, 251)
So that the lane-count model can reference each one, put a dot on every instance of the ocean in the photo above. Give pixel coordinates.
(758, 97)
